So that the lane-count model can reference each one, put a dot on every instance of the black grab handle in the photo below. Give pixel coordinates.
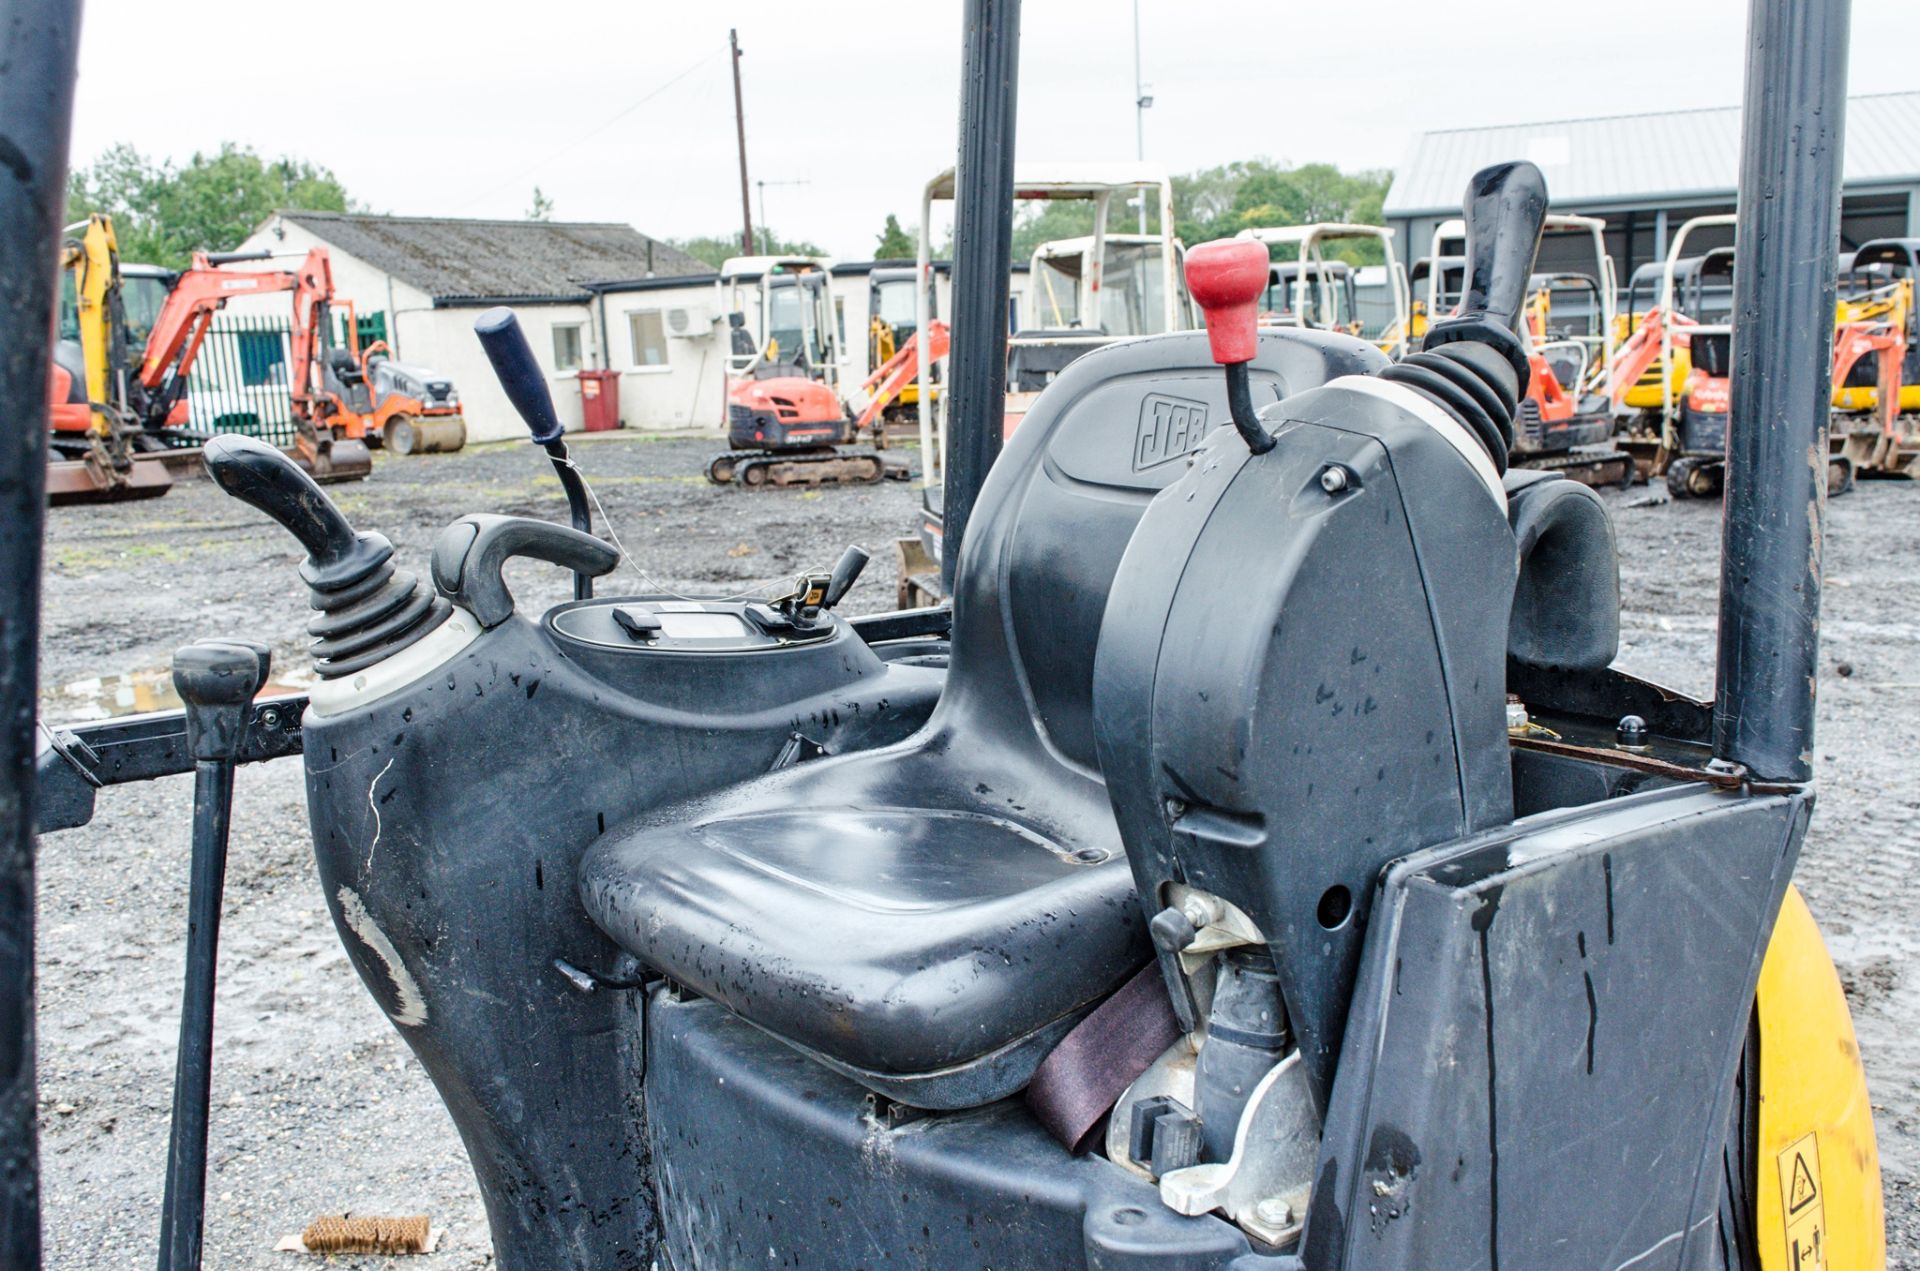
(254, 472)
(1505, 207)
(469, 554)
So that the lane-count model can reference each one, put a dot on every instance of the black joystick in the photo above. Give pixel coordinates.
(367, 610)
(1475, 364)
(846, 572)
(525, 385)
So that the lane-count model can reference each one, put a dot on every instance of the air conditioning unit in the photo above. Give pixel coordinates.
(688, 322)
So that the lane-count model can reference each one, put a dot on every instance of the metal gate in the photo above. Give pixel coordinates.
(240, 381)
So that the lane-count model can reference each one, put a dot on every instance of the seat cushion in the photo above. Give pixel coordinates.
(890, 940)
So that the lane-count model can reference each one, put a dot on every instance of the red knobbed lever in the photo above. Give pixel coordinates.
(1227, 278)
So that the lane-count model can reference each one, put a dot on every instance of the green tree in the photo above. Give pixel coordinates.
(715, 250)
(542, 208)
(895, 243)
(1221, 201)
(1046, 220)
(162, 214)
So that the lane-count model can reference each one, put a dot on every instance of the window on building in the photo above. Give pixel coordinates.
(566, 348)
(649, 338)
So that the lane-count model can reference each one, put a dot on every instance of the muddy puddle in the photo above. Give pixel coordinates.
(138, 692)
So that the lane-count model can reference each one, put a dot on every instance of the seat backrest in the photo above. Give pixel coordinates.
(1058, 509)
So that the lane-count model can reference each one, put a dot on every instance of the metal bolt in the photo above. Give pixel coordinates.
(1333, 480)
(1273, 1212)
(270, 719)
(1631, 731)
(1516, 717)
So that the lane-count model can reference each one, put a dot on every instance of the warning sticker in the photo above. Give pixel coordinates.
(1803, 1205)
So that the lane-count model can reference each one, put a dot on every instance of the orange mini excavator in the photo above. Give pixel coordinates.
(113, 421)
(330, 434)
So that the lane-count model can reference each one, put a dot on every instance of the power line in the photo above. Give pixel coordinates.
(588, 135)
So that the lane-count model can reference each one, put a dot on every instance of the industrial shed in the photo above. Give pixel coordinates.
(1647, 174)
(419, 282)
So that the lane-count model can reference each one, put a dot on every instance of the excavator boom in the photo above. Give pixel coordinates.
(186, 318)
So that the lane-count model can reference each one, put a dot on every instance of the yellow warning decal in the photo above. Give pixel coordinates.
(1804, 1204)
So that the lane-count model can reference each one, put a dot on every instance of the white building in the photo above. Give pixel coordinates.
(426, 279)
(590, 296)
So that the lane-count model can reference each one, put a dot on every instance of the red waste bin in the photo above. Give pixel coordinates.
(600, 400)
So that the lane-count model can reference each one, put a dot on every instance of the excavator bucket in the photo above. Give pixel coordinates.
(84, 481)
(331, 460)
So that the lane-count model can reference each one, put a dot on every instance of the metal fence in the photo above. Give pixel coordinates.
(240, 378)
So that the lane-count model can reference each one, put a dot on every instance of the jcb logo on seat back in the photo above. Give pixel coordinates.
(1169, 428)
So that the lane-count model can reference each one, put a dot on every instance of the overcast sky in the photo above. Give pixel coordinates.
(624, 111)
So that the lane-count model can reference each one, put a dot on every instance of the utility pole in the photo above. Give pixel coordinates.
(740, 125)
(1141, 100)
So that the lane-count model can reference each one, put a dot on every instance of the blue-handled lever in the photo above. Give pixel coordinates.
(520, 374)
(526, 387)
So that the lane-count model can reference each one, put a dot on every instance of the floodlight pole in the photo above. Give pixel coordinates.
(1140, 103)
(1777, 444)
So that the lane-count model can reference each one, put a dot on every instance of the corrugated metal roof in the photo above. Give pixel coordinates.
(1628, 158)
(466, 260)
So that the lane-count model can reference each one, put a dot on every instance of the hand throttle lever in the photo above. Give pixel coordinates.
(367, 610)
(846, 571)
(1227, 278)
(1475, 364)
(526, 387)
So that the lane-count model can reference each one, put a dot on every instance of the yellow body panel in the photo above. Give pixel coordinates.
(1819, 1203)
(96, 272)
(1860, 399)
(1645, 393)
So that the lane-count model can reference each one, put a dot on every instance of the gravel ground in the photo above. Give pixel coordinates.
(318, 1105)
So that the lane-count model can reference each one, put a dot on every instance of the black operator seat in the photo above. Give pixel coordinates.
(931, 917)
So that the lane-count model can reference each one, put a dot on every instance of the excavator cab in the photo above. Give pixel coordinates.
(1876, 390)
(1127, 924)
(1310, 287)
(345, 379)
(1883, 270)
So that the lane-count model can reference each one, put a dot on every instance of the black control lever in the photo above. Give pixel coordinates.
(367, 610)
(217, 680)
(846, 572)
(469, 554)
(526, 387)
(1475, 364)
(1505, 208)
(256, 473)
